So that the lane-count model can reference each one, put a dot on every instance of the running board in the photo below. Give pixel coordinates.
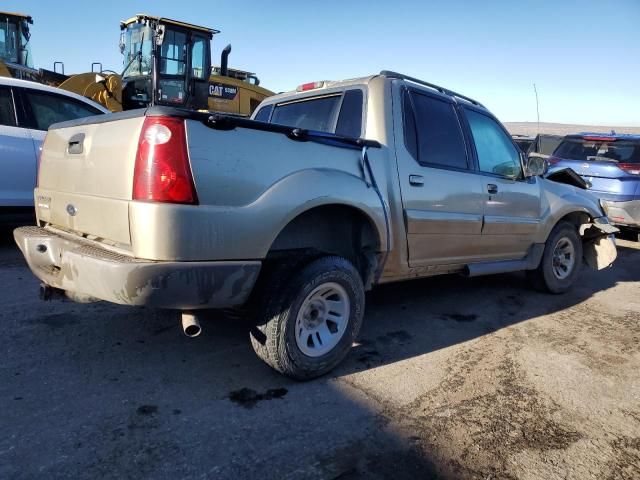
(530, 262)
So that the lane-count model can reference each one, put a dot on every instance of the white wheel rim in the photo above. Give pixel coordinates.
(564, 258)
(322, 319)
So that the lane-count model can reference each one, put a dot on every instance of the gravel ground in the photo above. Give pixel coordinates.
(452, 378)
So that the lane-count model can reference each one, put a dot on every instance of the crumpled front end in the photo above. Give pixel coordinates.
(598, 243)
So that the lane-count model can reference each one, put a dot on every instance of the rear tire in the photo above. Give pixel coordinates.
(308, 320)
(561, 260)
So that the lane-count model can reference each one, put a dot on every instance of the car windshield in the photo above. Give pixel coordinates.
(137, 51)
(619, 151)
(8, 38)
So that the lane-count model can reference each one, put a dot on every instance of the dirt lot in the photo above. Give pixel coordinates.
(531, 128)
(452, 378)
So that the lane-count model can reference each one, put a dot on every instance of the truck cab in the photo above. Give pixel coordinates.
(166, 62)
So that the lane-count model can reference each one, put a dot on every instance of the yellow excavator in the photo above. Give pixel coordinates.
(16, 61)
(166, 62)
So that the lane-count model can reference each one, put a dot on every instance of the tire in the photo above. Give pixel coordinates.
(308, 319)
(561, 260)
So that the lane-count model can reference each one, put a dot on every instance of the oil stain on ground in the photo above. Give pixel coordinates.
(248, 398)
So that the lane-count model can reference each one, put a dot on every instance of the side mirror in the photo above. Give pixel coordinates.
(122, 44)
(536, 166)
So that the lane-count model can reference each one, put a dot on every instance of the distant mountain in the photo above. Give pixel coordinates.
(531, 128)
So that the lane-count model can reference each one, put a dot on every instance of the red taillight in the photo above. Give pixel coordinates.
(594, 138)
(553, 160)
(162, 172)
(310, 86)
(632, 168)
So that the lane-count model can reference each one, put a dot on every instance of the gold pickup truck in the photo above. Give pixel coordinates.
(325, 193)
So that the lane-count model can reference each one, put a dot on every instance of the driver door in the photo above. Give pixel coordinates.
(512, 206)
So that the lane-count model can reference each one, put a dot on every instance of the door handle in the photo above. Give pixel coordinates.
(417, 180)
(492, 188)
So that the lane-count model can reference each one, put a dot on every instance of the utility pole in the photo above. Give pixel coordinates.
(537, 109)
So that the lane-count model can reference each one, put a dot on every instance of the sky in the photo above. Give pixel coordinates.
(583, 56)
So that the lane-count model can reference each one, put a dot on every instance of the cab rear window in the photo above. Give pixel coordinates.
(586, 150)
(340, 113)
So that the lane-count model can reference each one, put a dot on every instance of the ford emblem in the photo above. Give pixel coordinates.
(585, 165)
(71, 210)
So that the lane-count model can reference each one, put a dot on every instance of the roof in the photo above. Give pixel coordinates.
(143, 16)
(14, 82)
(28, 18)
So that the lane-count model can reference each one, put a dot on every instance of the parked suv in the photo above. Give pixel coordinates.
(27, 109)
(610, 163)
(327, 192)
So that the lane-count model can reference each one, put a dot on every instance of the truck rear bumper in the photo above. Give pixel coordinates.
(623, 213)
(86, 270)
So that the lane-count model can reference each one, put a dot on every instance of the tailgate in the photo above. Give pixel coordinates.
(86, 176)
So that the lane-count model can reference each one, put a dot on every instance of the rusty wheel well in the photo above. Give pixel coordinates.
(330, 230)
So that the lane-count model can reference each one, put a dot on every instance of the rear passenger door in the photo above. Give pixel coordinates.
(442, 197)
(17, 156)
(512, 206)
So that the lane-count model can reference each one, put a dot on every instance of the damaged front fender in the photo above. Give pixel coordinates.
(599, 246)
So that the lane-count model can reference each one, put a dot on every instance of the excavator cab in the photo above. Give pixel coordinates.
(15, 51)
(166, 62)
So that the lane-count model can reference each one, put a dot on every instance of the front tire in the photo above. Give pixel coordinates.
(309, 320)
(561, 261)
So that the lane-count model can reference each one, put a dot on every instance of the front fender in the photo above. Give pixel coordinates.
(560, 200)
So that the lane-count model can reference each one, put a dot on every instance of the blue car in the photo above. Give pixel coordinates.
(610, 163)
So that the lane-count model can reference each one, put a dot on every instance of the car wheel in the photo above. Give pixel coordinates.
(561, 260)
(309, 320)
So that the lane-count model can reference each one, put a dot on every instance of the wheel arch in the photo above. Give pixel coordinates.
(332, 228)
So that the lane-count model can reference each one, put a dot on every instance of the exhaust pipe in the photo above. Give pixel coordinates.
(224, 61)
(190, 325)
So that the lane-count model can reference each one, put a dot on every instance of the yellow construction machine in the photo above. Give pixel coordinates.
(166, 62)
(16, 61)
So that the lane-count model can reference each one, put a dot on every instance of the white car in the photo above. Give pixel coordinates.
(26, 111)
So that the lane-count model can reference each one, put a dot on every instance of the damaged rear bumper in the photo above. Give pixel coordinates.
(87, 271)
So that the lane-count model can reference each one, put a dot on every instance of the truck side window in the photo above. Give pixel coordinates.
(438, 136)
(7, 115)
(263, 114)
(496, 152)
(315, 114)
(350, 118)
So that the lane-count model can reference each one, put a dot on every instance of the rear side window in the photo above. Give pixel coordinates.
(48, 108)
(317, 114)
(618, 151)
(350, 118)
(340, 114)
(7, 113)
(437, 138)
(263, 114)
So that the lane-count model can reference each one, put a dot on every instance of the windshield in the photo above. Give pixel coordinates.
(8, 37)
(619, 151)
(137, 40)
